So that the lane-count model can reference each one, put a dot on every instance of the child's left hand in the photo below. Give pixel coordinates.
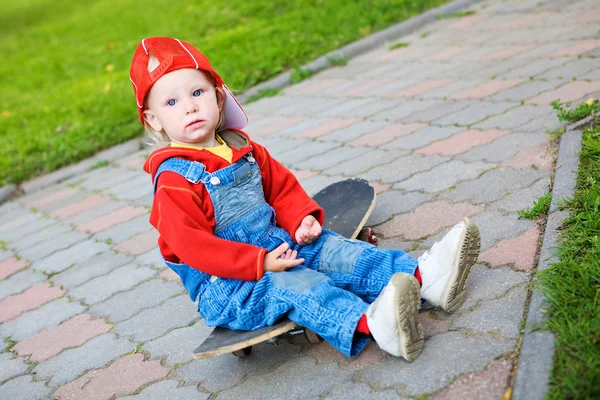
(308, 231)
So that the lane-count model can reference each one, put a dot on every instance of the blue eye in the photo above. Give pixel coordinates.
(171, 102)
(197, 93)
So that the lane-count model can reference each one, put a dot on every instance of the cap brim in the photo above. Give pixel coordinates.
(233, 113)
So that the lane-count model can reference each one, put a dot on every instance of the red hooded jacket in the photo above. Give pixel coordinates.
(183, 213)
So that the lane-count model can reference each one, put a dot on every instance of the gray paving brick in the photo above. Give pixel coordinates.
(315, 183)
(394, 244)
(41, 236)
(495, 226)
(126, 230)
(533, 68)
(344, 109)
(361, 391)
(220, 373)
(403, 83)
(514, 118)
(56, 205)
(354, 131)
(144, 296)
(143, 201)
(451, 88)
(142, 188)
(524, 198)
(268, 104)
(110, 177)
(402, 168)
(592, 75)
(332, 158)
(22, 227)
(444, 357)
(301, 127)
(257, 126)
(404, 109)
(474, 113)
(543, 50)
(502, 316)
(137, 180)
(276, 145)
(47, 316)
(393, 202)
(168, 390)
(491, 283)
(291, 378)
(12, 210)
(93, 213)
(176, 346)
(4, 254)
(572, 69)
(95, 353)
(81, 252)
(82, 272)
(307, 150)
(440, 110)
(443, 176)
(543, 124)
(177, 312)
(24, 388)
(504, 148)
(526, 90)
(49, 246)
(11, 367)
(364, 162)
(373, 107)
(311, 106)
(493, 185)
(153, 257)
(423, 137)
(20, 281)
(102, 287)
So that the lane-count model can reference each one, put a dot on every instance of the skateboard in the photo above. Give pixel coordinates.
(347, 206)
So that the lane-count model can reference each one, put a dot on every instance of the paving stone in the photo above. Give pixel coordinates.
(353, 131)
(491, 283)
(361, 391)
(495, 226)
(54, 196)
(169, 275)
(393, 202)
(91, 214)
(176, 312)
(277, 124)
(505, 147)
(291, 378)
(395, 243)
(24, 388)
(427, 219)
(124, 231)
(475, 113)
(539, 157)
(328, 127)
(440, 110)
(176, 346)
(116, 217)
(104, 286)
(11, 367)
(404, 110)
(452, 88)
(47, 316)
(569, 92)
(487, 89)
(144, 188)
(49, 246)
(402, 168)
(35, 238)
(168, 390)
(332, 158)
(387, 134)
(364, 162)
(419, 88)
(461, 142)
(124, 376)
(432, 324)
(82, 272)
(516, 118)
(109, 177)
(524, 198)
(268, 104)
(526, 90)
(533, 68)
(519, 251)
(577, 48)
(276, 144)
(307, 150)
(572, 69)
(502, 316)
(81, 252)
(220, 373)
(95, 353)
(151, 258)
(51, 341)
(138, 244)
(294, 130)
(144, 296)
(11, 265)
(19, 228)
(423, 137)
(374, 106)
(490, 383)
(344, 109)
(444, 358)
(443, 176)
(13, 306)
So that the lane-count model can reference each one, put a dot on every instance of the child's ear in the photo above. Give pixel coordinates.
(151, 119)
(220, 97)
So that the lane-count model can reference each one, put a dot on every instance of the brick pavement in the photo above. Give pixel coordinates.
(451, 125)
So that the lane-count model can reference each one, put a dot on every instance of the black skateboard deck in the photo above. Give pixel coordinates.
(347, 206)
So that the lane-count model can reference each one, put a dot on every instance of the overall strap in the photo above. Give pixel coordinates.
(190, 170)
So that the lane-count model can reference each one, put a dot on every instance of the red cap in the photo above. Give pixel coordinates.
(173, 54)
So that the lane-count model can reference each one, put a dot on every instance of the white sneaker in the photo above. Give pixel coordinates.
(445, 268)
(392, 317)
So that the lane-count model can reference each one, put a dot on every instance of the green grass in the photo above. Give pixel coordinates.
(398, 45)
(540, 207)
(65, 64)
(458, 14)
(268, 92)
(572, 285)
(566, 114)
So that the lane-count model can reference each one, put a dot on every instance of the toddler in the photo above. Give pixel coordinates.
(245, 238)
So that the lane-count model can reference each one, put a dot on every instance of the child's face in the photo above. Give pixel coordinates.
(186, 104)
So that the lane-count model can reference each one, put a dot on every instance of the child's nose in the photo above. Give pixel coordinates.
(191, 106)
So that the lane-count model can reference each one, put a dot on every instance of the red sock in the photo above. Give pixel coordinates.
(418, 276)
(362, 326)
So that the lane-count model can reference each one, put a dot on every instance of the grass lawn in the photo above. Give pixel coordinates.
(573, 285)
(65, 64)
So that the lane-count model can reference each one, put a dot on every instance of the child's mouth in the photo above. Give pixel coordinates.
(196, 124)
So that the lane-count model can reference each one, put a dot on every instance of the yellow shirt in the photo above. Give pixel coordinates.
(222, 151)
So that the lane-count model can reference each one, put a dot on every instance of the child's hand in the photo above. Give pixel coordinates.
(308, 231)
(281, 259)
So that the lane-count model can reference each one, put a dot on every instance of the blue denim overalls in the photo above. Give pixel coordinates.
(328, 293)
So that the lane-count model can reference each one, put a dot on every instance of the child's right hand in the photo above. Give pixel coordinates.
(281, 259)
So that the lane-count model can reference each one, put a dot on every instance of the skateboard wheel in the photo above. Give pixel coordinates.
(241, 353)
(368, 235)
(312, 337)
